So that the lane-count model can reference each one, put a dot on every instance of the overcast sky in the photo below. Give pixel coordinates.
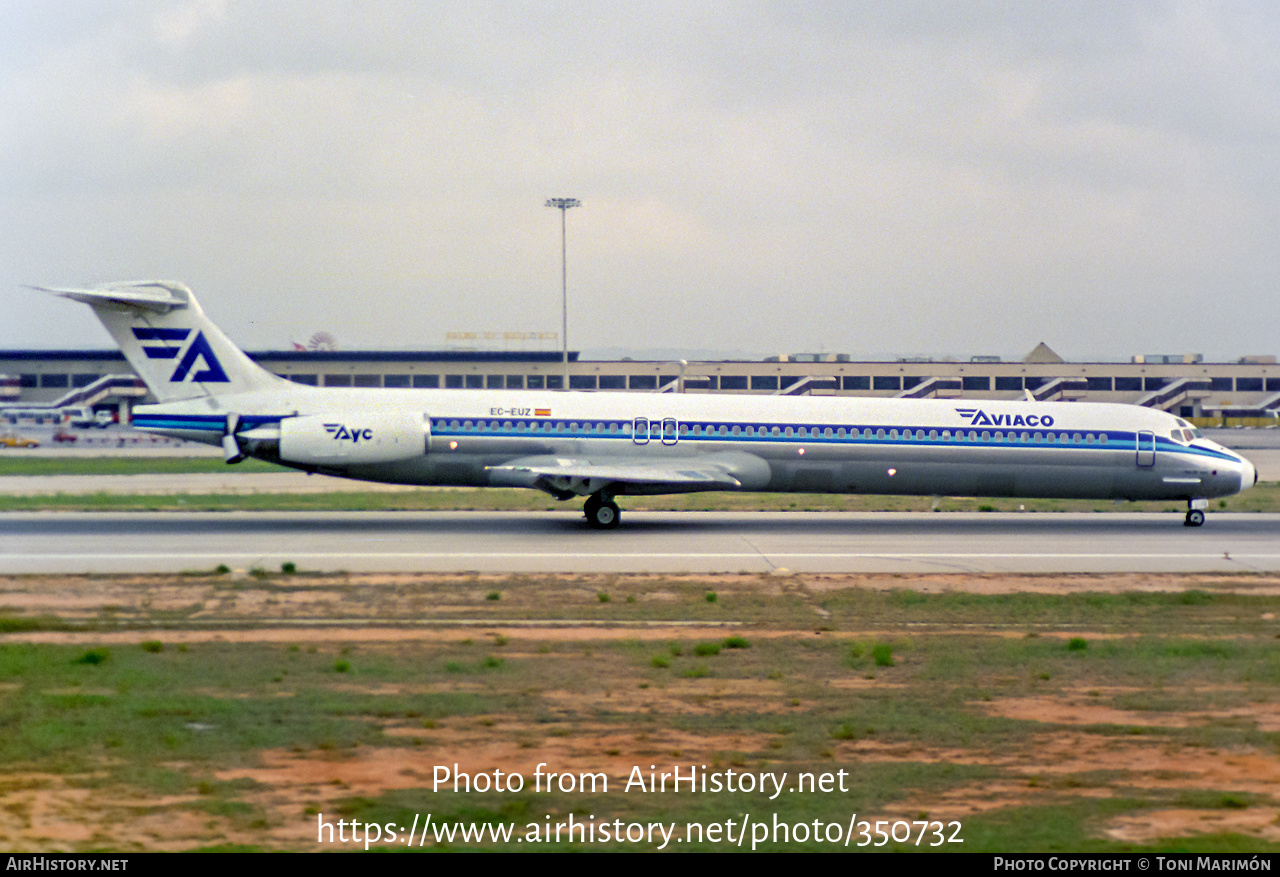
(874, 178)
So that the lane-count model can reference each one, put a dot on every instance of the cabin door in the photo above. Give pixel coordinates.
(670, 431)
(1146, 449)
(640, 431)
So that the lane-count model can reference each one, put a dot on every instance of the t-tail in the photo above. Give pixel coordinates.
(170, 342)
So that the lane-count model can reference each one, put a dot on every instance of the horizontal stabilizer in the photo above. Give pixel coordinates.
(152, 295)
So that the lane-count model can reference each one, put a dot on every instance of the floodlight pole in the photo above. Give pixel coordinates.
(563, 205)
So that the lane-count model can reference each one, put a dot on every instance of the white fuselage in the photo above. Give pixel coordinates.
(806, 444)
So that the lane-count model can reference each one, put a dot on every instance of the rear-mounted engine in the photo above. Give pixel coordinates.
(354, 437)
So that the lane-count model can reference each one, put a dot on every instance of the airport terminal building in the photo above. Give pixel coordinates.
(1244, 391)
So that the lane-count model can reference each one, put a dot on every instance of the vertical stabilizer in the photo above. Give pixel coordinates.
(169, 341)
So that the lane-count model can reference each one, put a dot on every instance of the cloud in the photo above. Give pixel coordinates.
(870, 177)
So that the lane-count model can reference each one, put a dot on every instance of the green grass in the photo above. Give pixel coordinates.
(70, 465)
(166, 716)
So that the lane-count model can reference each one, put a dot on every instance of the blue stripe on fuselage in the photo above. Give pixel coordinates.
(710, 432)
(764, 433)
(200, 422)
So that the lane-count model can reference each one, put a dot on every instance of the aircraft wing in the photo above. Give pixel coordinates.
(563, 477)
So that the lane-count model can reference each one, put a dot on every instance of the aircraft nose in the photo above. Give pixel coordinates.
(1248, 474)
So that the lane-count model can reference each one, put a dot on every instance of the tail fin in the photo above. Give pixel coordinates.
(169, 341)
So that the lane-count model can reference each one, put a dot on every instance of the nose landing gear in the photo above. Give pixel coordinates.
(602, 512)
(1195, 512)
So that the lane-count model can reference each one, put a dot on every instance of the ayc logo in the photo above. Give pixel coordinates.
(173, 344)
(978, 417)
(339, 432)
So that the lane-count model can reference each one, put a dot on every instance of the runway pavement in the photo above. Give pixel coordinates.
(59, 542)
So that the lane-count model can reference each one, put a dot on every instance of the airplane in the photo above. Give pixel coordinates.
(600, 446)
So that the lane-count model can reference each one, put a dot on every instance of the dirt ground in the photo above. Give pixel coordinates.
(49, 812)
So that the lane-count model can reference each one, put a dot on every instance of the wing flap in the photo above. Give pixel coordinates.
(563, 477)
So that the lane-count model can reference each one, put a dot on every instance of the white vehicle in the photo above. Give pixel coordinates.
(604, 445)
(78, 415)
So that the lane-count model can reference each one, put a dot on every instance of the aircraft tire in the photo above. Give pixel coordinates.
(1195, 518)
(603, 514)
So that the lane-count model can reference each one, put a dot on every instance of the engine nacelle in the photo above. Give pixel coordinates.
(347, 438)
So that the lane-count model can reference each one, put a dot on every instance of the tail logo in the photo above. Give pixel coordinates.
(174, 345)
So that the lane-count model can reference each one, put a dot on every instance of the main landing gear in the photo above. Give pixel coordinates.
(1195, 512)
(602, 512)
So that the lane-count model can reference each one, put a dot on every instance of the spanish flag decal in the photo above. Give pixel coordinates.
(542, 412)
